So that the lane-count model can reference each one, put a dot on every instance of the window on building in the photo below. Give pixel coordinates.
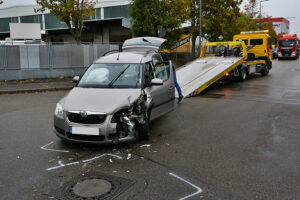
(116, 11)
(4, 23)
(97, 14)
(51, 22)
(32, 19)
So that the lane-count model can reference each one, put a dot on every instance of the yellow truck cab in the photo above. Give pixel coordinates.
(259, 45)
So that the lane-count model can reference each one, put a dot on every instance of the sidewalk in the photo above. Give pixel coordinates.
(35, 85)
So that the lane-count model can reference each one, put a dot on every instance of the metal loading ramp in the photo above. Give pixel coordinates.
(201, 73)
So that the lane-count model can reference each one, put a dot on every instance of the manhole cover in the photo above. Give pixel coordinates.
(95, 187)
(91, 188)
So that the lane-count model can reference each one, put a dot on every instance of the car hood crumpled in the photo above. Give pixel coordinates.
(102, 100)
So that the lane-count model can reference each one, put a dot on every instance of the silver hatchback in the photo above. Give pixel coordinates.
(118, 95)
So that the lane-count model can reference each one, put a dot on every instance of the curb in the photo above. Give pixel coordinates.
(35, 90)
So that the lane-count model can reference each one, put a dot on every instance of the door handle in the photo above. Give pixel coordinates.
(171, 87)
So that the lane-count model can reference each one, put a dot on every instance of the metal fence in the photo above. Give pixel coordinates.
(48, 61)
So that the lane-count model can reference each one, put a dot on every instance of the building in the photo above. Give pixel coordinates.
(109, 24)
(281, 25)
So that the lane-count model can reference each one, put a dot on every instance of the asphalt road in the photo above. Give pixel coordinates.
(234, 141)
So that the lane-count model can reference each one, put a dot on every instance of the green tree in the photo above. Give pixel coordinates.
(217, 18)
(147, 16)
(71, 12)
(242, 23)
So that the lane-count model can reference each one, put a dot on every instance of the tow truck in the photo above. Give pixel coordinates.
(218, 60)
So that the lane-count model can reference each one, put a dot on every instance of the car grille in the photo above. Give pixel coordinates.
(89, 119)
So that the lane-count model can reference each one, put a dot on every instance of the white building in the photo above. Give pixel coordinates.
(109, 24)
(281, 25)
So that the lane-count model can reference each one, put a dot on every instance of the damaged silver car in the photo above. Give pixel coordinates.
(118, 95)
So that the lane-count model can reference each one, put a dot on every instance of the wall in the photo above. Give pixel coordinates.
(48, 61)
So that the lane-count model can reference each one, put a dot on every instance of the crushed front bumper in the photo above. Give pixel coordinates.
(107, 132)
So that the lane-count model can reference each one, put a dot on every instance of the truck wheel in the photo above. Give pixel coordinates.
(265, 71)
(242, 74)
(143, 130)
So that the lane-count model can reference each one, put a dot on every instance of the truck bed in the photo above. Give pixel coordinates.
(196, 76)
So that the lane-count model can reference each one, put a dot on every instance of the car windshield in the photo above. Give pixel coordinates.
(286, 43)
(114, 75)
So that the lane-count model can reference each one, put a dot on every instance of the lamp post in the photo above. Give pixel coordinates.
(260, 11)
(200, 31)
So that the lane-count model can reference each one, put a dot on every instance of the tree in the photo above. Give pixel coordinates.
(269, 26)
(251, 9)
(1, 2)
(217, 17)
(147, 16)
(71, 12)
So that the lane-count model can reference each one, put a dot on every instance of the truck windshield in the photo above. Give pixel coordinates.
(286, 43)
(114, 75)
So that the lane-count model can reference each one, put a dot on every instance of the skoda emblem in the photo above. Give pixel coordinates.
(83, 114)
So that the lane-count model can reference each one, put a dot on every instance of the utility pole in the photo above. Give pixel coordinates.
(200, 31)
(260, 12)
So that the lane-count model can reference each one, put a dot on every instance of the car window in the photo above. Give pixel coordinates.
(156, 59)
(148, 74)
(256, 41)
(112, 75)
(162, 71)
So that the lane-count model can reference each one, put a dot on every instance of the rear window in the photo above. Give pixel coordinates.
(256, 42)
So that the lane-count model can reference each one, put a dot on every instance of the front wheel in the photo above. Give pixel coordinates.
(143, 130)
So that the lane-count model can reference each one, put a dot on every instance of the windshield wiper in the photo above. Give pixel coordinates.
(118, 76)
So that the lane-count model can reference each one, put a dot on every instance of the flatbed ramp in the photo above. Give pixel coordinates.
(196, 76)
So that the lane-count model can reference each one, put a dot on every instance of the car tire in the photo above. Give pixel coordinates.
(265, 71)
(143, 130)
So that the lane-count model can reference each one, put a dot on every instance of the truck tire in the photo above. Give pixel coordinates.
(242, 74)
(265, 71)
(143, 130)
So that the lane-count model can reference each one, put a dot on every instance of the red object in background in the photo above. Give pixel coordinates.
(288, 46)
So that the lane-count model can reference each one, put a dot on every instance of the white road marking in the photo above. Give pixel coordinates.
(84, 161)
(62, 165)
(199, 190)
(129, 156)
(146, 145)
(103, 155)
(47, 149)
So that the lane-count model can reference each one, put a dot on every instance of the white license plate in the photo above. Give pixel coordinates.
(82, 130)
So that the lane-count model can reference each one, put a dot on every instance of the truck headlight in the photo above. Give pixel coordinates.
(59, 111)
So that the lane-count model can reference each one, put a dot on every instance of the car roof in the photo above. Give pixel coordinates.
(126, 57)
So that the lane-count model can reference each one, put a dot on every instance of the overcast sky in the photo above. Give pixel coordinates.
(274, 8)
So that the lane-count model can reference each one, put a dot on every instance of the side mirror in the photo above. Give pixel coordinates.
(76, 79)
(157, 81)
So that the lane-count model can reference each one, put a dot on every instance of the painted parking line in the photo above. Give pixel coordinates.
(199, 190)
(57, 150)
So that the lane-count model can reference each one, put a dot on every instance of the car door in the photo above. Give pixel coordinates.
(163, 96)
